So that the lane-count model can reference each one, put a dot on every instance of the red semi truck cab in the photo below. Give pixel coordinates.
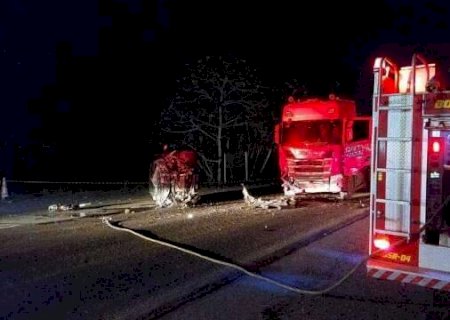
(323, 148)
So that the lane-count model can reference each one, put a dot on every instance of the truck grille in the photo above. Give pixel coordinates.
(309, 169)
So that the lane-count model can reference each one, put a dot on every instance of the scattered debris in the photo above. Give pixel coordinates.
(59, 207)
(67, 207)
(264, 204)
(53, 207)
(84, 205)
(290, 190)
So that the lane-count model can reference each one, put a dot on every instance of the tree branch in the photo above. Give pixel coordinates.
(179, 131)
(196, 119)
(203, 131)
(234, 125)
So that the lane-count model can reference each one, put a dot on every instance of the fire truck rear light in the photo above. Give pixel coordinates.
(382, 243)
(436, 147)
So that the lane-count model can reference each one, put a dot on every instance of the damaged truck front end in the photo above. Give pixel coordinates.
(311, 171)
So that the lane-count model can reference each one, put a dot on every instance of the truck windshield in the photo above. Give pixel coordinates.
(324, 131)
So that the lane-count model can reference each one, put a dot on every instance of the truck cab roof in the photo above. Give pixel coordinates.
(316, 109)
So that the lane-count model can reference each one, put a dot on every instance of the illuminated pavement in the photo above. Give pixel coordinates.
(33, 209)
(84, 269)
(316, 267)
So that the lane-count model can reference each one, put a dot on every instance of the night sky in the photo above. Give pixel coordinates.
(83, 81)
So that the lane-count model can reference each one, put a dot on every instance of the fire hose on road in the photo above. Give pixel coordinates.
(263, 278)
(108, 222)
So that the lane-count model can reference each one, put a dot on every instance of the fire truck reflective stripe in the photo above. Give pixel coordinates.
(376, 273)
(416, 280)
(396, 276)
(432, 283)
(439, 285)
(371, 272)
(447, 287)
(409, 278)
(385, 275)
(425, 282)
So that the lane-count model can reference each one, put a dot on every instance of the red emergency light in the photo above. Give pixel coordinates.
(436, 147)
(382, 243)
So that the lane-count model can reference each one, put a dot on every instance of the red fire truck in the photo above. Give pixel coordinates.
(410, 187)
(323, 148)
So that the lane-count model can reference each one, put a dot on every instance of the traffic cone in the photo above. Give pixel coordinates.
(4, 189)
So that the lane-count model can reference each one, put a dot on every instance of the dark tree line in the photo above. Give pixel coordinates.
(101, 118)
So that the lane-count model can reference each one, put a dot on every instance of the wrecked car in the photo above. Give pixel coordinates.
(174, 178)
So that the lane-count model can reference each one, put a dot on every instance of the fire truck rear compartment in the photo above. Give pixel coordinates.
(410, 170)
(438, 188)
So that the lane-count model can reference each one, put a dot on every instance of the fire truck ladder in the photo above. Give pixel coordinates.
(395, 157)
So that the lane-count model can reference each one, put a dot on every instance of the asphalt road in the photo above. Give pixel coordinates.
(316, 267)
(83, 269)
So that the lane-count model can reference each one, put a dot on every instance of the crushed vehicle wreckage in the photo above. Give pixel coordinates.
(278, 203)
(174, 178)
(174, 181)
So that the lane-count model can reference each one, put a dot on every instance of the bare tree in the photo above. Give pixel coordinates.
(219, 103)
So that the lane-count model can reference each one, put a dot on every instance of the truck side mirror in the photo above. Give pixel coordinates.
(276, 134)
